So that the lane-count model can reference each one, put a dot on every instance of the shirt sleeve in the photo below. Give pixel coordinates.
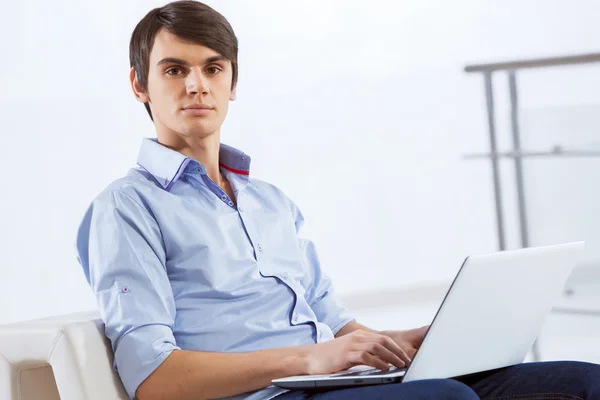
(120, 249)
(320, 292)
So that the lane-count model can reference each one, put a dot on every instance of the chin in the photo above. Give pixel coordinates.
(198, 130)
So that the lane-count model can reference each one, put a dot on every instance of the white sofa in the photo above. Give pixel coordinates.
(60, 358)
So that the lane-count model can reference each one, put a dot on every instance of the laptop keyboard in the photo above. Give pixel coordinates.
(373, 372)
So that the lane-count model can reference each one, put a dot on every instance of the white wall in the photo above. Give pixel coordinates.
(365, 102)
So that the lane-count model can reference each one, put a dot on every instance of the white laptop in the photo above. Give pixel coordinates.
(489, 319)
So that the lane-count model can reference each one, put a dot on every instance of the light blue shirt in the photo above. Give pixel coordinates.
(175, 264)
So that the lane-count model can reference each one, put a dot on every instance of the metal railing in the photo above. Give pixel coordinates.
(511, 68)
(534, 63)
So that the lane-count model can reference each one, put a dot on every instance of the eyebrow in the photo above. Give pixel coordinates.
(174, 60)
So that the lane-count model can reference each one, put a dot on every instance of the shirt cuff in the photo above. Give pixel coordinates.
(338, 327)
(330, 311)
(140, 352)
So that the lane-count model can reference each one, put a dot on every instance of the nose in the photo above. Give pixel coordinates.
(196, 83)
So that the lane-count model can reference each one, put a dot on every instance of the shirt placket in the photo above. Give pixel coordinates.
(217, 190)
(246, 219)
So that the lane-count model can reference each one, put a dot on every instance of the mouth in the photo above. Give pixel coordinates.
(198, 110)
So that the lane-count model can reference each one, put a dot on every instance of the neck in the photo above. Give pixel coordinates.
(204, 150)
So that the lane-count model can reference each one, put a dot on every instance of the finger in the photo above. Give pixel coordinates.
(392, 346)
(372, 361)
(386, 355)
(389, 344)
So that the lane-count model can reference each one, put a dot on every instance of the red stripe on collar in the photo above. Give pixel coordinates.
(237, 171)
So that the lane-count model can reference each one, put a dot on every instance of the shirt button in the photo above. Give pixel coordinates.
(230, 204)
(260, 248)
(295, 317)
(223, 197)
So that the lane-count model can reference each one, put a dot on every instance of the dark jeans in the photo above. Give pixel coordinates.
(561, 380)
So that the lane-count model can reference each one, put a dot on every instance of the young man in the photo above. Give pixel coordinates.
(203, 284)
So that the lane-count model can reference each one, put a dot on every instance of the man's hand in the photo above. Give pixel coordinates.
(360, 347)
(410, 340)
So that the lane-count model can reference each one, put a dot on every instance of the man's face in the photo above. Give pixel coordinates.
(182, 76)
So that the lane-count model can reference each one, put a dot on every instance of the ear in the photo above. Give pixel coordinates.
(139, 93)
(233, 95)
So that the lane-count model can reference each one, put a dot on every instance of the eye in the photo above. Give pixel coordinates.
(213, 70)
(173, 71)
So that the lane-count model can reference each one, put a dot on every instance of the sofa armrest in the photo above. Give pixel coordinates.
(77, 350)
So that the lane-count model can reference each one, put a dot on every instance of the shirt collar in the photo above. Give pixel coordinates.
(167, 165)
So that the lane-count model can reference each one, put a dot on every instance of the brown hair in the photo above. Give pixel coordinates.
(189, 20)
